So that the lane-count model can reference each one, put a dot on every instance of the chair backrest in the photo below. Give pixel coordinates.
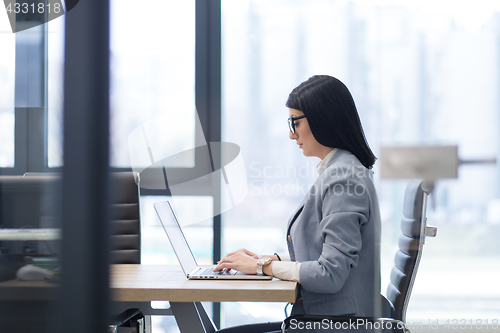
(125, 219)
(411, 241)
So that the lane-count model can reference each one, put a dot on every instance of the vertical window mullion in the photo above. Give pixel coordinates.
(30, 100)
(208, 98)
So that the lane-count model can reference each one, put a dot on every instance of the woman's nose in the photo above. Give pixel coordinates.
(292, 136)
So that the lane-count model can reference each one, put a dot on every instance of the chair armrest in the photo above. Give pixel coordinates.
(430, 231)
(346, 322)
(126, 316)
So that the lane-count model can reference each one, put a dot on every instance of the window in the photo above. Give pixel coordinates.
(152, 76)
(7, 84)
(420, 73)
(55, 79)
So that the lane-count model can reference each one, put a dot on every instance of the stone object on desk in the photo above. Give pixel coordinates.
(32, 273)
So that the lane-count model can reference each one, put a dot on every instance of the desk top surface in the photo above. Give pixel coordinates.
(143, 283)
(148, 282)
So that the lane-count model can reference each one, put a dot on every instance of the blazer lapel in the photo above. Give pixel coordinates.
(294, 217)
(338, 154)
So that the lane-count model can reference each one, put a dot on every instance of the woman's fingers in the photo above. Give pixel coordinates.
(251, 254)
(240, 251)
(225, 262)
(246, 252)
(238, 261)
(227, 256)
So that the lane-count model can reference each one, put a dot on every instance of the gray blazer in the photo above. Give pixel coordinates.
(335, 234)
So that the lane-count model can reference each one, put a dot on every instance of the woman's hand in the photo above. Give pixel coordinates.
(242, 260)
(245, 251)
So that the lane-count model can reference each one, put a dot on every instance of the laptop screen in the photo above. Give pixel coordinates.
(175, 235)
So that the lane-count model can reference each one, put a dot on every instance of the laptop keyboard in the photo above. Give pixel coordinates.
(210, 271)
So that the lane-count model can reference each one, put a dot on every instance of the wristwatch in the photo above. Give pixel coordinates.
(261, 262)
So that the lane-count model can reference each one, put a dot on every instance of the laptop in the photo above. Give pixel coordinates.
(185, 255)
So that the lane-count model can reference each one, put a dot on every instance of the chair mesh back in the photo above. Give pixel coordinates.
(125, 221)
(407, 257)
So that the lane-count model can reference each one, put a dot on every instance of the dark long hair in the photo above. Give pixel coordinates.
(332, 116)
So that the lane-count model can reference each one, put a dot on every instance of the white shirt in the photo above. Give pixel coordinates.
(324, 162)
(290, 270)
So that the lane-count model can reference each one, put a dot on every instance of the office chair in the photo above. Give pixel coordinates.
(414, 230)
(125, 240)
(125, 220)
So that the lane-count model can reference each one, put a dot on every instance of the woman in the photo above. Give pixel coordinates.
(333, 237)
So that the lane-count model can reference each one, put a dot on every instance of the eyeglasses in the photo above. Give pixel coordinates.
(291, 123)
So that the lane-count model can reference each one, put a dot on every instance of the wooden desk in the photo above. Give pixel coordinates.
(141, 284)
(144, 283)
